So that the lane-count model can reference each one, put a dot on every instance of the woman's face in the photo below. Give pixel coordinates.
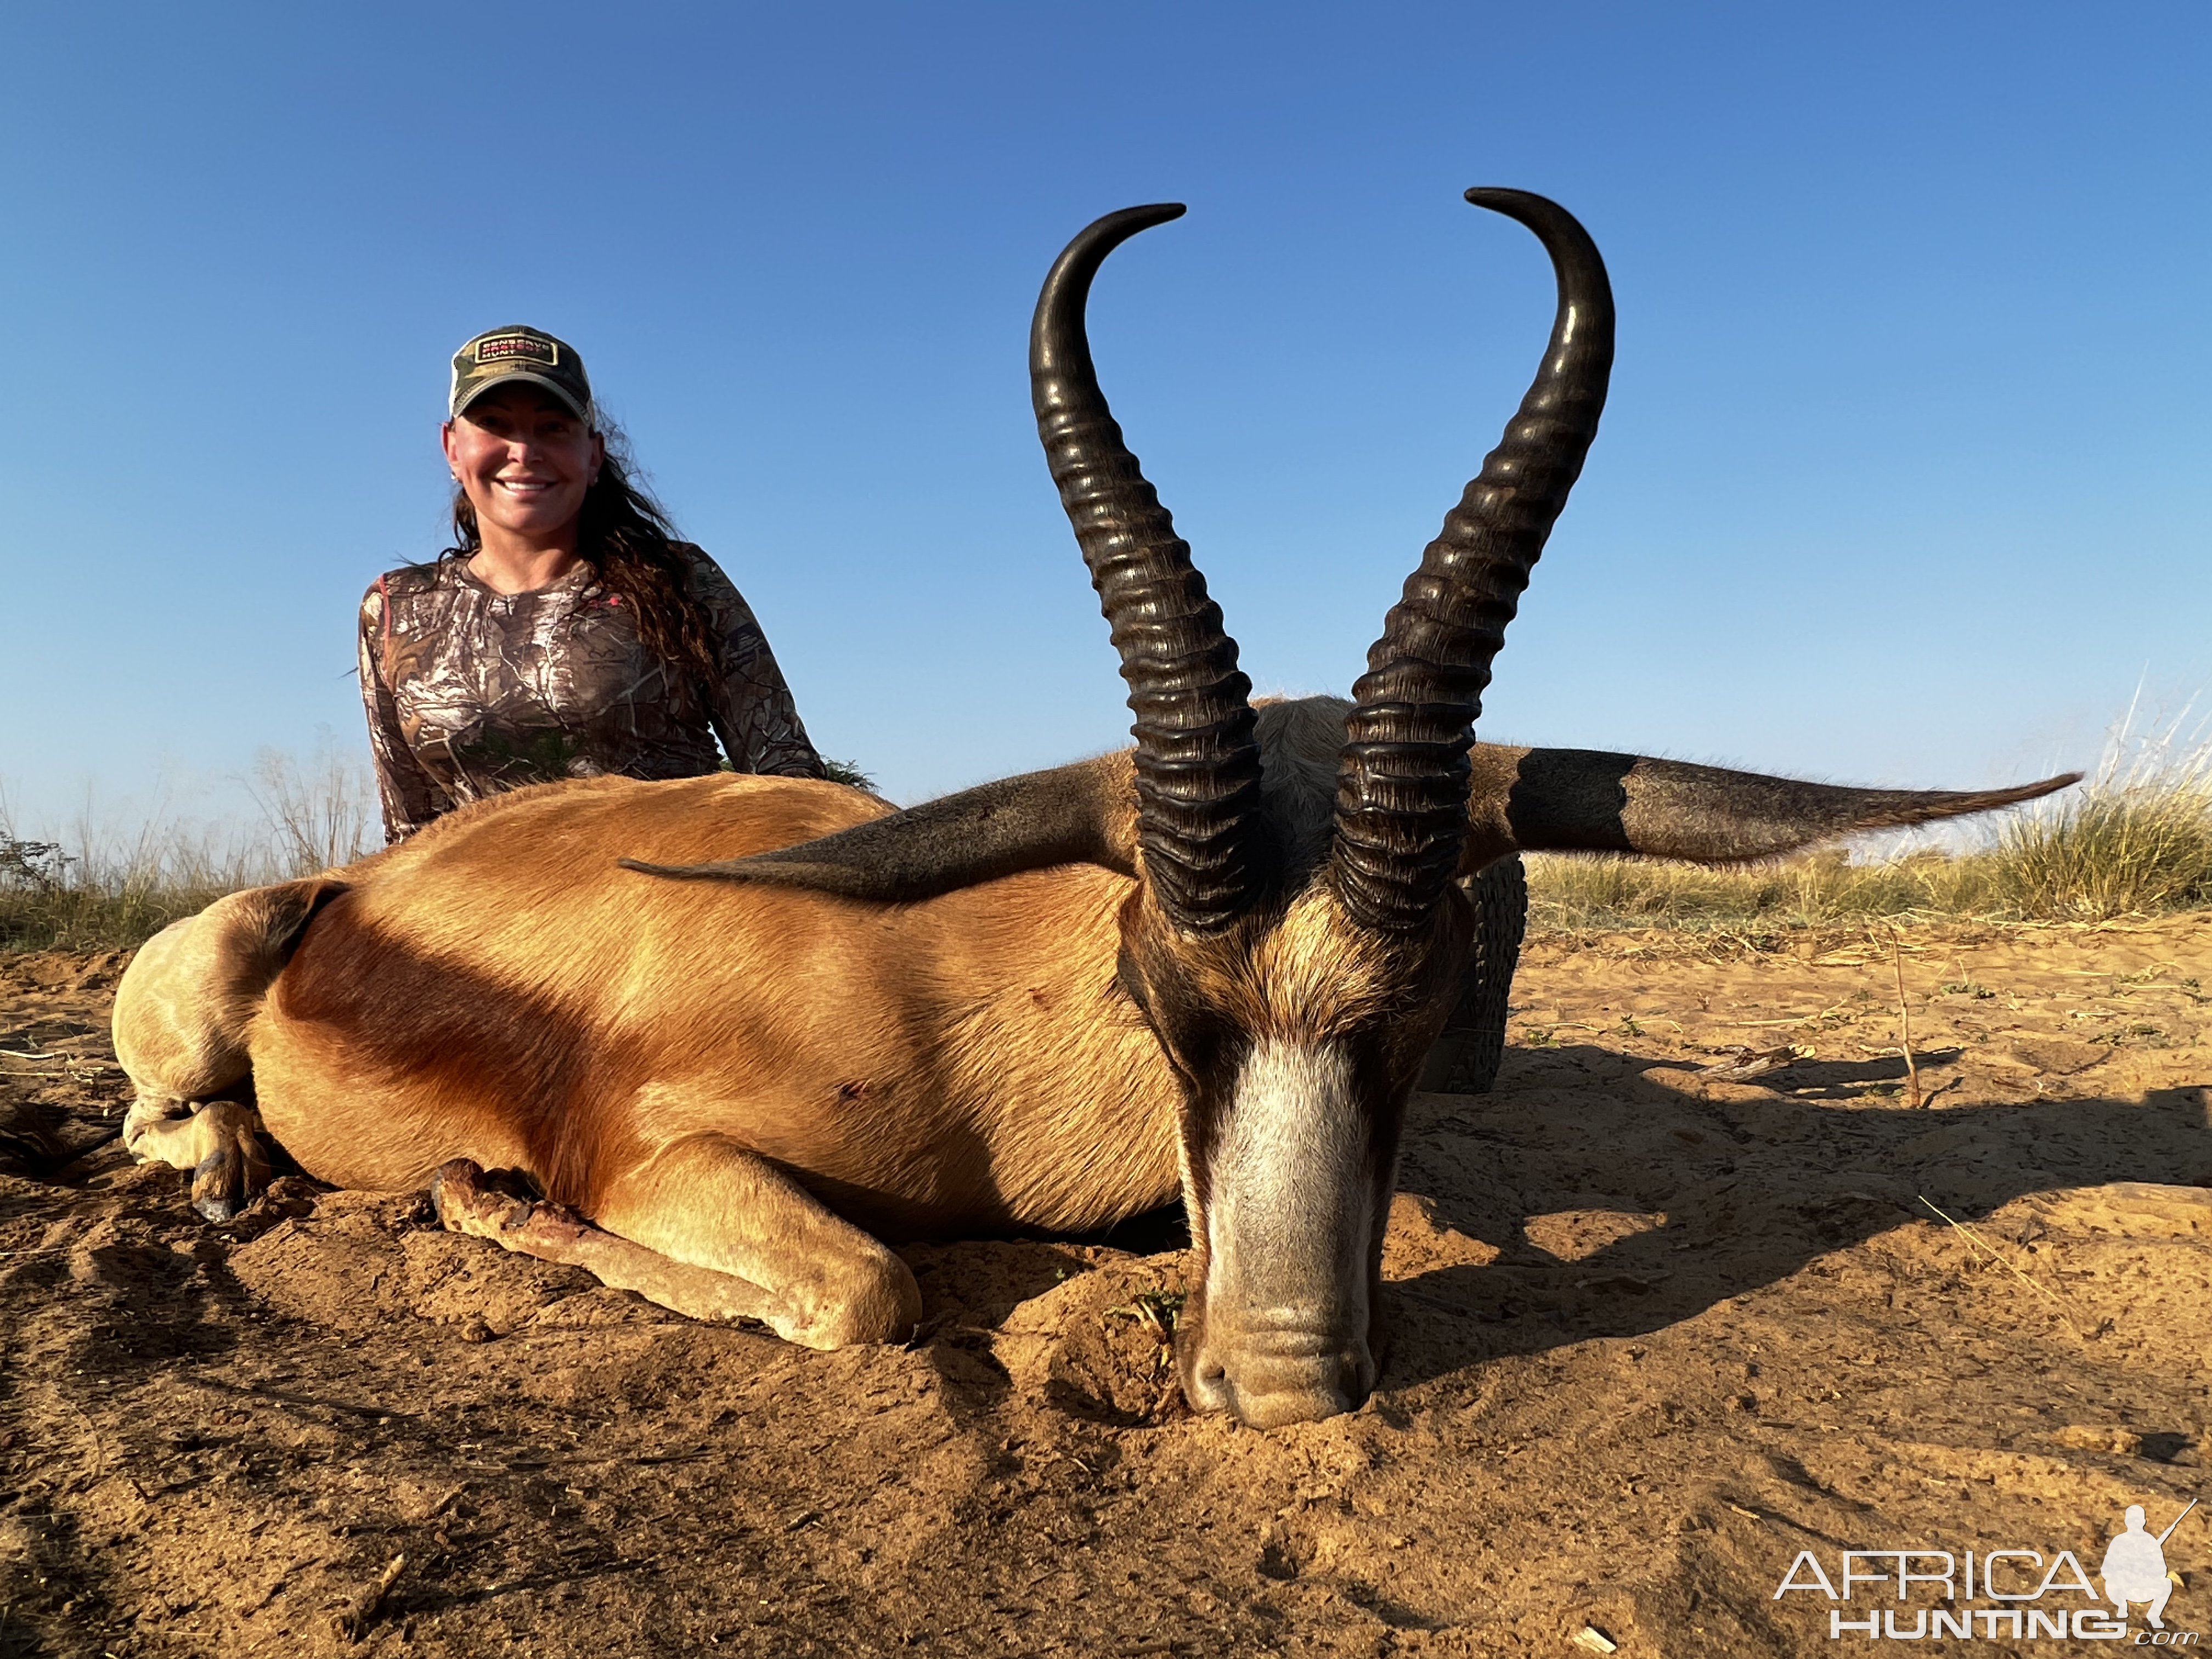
(525, 460)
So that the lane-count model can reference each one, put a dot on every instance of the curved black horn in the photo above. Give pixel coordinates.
(1402, 780)
(1198, 760)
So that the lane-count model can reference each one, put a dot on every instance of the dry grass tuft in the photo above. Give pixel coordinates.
(108, 889)
(113, 892)
(319, 815)
(102, 912)
(2137, 850)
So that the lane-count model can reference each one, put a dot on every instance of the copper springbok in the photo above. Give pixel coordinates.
(738, 1031)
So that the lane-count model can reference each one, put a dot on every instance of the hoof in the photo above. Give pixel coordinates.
(219, 1186)
(234, 1172)
(470, 1198)
(454, 1190)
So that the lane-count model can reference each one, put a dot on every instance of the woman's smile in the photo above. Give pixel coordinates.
(525, 459)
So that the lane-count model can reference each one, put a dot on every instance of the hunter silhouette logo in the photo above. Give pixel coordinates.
(2135, 1566)
(2026, 1592)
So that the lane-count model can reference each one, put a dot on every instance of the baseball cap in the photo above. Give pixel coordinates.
(501, 356)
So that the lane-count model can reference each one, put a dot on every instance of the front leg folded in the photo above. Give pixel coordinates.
(711, 1230)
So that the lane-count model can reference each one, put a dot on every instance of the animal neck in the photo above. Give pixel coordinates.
(1062, 1158)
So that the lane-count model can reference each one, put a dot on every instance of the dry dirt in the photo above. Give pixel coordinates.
(1657, 1333)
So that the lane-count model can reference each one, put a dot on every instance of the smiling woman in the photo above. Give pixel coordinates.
(567, 633)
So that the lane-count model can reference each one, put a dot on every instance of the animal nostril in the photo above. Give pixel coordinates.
(1213, 1371)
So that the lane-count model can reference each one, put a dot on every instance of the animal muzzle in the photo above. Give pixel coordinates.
(1280, 1332)
(1294, 1374)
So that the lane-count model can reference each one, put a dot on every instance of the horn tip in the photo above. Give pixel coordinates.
(1126, 221)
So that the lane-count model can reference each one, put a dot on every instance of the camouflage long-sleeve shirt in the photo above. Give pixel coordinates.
(471, 692)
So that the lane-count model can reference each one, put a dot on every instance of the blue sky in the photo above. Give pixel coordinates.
(1903, 479)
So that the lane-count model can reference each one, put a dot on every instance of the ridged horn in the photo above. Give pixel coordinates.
(1198, 760)
(1402, 778)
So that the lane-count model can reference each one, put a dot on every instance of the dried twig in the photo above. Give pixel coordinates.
(355, 1624)
(1741, 1063)
(1913, 1098)
(1986, 1249)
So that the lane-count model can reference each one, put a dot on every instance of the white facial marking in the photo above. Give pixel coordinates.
(1292, 1202)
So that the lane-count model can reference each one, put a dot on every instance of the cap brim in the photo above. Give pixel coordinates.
(526, 377)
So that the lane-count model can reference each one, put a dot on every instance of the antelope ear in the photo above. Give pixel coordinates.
(1584, 800)
(1080, 814)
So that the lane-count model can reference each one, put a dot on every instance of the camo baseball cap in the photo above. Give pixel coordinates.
(501, 356)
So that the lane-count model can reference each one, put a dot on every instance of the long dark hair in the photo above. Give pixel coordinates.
(625, 536)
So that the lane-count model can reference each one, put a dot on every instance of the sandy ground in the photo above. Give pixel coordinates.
(1657, 1333)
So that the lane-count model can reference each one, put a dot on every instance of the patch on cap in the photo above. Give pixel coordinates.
(510, 348)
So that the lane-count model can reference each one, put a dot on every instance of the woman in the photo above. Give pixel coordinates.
(567, 634)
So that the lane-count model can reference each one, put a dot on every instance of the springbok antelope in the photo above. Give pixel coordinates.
(737, 1030)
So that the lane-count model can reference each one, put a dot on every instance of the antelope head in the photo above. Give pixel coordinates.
(1297, 968)
(1297, 955)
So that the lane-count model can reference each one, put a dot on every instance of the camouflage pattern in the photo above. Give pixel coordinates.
(471, 692)
(501, 356)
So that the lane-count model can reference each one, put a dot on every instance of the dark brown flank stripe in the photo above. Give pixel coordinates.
(475, 1047)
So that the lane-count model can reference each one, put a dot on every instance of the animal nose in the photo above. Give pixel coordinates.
(1268, 1388)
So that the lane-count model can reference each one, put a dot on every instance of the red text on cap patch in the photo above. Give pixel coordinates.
(504, 347)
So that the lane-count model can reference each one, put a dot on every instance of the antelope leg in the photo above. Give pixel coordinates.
(712, 1231)
(710, 1202)
(480, 1203)
(218, 1143)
